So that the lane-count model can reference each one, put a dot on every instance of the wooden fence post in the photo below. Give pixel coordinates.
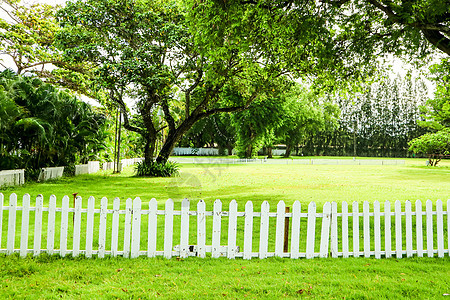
(286, 231)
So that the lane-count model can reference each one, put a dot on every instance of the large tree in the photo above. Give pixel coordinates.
(149, 51)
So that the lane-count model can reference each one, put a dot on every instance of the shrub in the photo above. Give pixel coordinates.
(154, 169)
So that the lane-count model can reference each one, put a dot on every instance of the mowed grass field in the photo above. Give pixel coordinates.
(353, 278)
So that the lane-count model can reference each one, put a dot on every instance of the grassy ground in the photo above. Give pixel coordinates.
(421, 278)
(193, 278)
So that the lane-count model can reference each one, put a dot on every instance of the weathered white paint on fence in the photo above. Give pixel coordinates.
(217, 228)
(102, 228)
(11, 224)
(50, 173)
(25, 222)
(264, 230)
(295, 237)
(38, 225)
(127, 231)
(398, 229)
(248, 230)
(331, 220)
(77, 227)
(201, 228)
(64, 226)
(345, 251)
(168, 229)
(419, 228)
(115, 228)
(429, 214)
(311, 230)
(279, 234)
(387, 229)
(355, 229)
(232, 228)
(12, 177)
(51, 225)
(136, 228)
(184, 230)
(152, 226)
(90, 226)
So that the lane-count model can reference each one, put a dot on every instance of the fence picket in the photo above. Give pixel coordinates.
(232, 229)
(217, 228)
(295, 231)
(398, 229)
(115, 227)
(1, 217)
(429, 220)
(248, 230)
(102, 228)
(77, 227)
(440, 228)
(377, 228)
(366, 228)
(152, 227)
(419, 229)
(38, 225)
(334, 230)
(11, 224)
(311, 230)
(127, 231)
(345, 253)
(408, 230)
(264, 230)
(51, 225)
(136, 228)
(325, 233)
(448, 226)
(201, 229)
(64, 226)
(279, 234)
(168, 229)
(355, 229)
(387, 229)
(25, 225)
(329, 240)
(90, 226)
(184, 230)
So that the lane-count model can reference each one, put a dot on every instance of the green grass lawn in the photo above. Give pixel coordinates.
(420, 278)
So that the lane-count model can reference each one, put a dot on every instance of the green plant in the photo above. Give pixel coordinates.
(155, 169)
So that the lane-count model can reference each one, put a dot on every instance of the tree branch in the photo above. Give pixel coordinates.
(123, 108)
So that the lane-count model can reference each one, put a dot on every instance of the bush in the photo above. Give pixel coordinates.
(154, 169)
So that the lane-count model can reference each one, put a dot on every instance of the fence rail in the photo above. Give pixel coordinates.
(133, 231)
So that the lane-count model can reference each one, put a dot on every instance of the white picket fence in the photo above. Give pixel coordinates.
(396, 232)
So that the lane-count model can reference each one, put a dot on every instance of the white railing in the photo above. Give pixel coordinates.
(12, 177)
(50, 173)
(355, 162)
(195, 151)
(398, 232)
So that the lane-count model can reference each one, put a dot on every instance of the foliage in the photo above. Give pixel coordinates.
(156, 169)
(44, 126)
(27, 34)
(436, 112)
(434, 145)
(378, 121)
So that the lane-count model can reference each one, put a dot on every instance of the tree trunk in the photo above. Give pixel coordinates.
(288, 151)
(269, 152)
(149, 150)
(230, 149)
